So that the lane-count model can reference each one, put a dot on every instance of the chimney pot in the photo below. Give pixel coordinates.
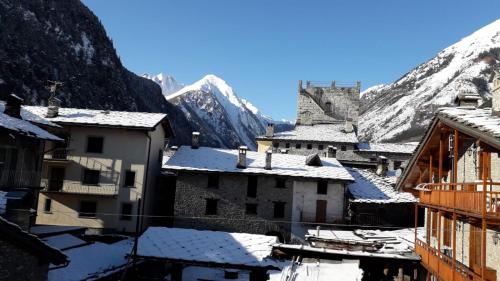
(53, 108)
(269, 155)
(13, 106)
(242, 157)
(195, 140)
(348, 128)
(467, 99)
(332, 152)
(382, 166)
(270, 130)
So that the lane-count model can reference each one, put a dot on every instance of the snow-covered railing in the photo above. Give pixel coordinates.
(107, 189)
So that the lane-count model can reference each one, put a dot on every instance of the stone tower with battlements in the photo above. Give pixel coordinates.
(328, 103)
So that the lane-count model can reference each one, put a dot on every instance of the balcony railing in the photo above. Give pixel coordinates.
(466, 197)
(19, 178)
(57, 154)
(441, 265)
(104, 189)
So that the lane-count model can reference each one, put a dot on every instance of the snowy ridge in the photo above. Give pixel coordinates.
(224, 119)
(167, 83)
(403, 109)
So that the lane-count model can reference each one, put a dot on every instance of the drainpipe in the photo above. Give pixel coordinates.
(145, 182)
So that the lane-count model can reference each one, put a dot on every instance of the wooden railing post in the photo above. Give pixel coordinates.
(455, 157)
(454, 244)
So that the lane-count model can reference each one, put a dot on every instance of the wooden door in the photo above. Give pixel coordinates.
(320, 211)
(475, 248)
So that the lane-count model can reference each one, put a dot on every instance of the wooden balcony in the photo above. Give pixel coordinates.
(443, 267)
(79, 188)
(469, 198)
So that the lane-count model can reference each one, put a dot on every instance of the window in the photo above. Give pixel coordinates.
(213, 181)
(298, 146)
(279, 209)
(434, 230)
(276, 144)
(287, 145)
(126, 212)
(91, 177)
(397, 165)
(252, 186)
(211, 207)
(320, 147)
(251, 209)
(280, 183)
(47, 208)
(129, 179)
(343, 148)
(447, 232)
(88, 209)
(322, 187)
(94, 144)
(309, 146)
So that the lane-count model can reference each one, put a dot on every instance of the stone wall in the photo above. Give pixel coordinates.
(17, 264)
(192, 192)
(343, 102)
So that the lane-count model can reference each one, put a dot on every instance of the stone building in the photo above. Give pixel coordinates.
(109, 160)
(456, 173)
(245, 191)
(327, 115)
(24, 256)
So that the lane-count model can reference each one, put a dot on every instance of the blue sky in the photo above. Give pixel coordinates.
(262, 47)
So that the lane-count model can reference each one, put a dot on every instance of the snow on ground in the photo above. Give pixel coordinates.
(93, 261)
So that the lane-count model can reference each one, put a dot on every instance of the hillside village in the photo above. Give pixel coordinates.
(106, 175)
(103, 195)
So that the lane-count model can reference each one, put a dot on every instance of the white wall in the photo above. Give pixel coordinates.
(304, 201)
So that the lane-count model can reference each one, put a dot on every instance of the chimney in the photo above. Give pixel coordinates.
(270, 130)
(13, 106)
(348, 128)
(467, 99)
(300, 85)
(382, 166)
(269, 155)
(195, 140)
(242, 157)
(331, 152)
(53, 108)
(495, 92)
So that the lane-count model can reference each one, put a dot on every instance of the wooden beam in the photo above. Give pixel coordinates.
(430, 168)
(455, 157)
(440, 160)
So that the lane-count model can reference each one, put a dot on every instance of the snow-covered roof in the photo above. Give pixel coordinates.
(387, 147)
(64, 241)
(202, 246)
(332, 133)
(23, 126)
(319, 270)
(28, 116)
(93, 261)
(372, 188)
(481, 120)
(3, 202)
(225, 160)
(49, 230)
(106, 118)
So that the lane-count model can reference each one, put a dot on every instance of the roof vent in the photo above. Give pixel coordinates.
(467, 99)
(313, 160)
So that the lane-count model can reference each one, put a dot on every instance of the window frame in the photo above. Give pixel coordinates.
(208, 207)
(321, 147)
(343, 147)
(309, 146)
(298, 146)
(252, 187)
(210, 178)
(88, 142)
(123, 216)
(125, 179)
(280, 183)
(47, 203)
(84, 182)
(276, 144)
(279, 213)
(252, 210)
(322, 187)
(88, 214)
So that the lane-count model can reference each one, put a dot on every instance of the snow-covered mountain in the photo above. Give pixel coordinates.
(403, 110)
(167, 83)
(224, 119)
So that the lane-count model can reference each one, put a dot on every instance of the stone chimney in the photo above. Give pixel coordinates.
(331, 152)
(242, 157)
(467, 99)
(348, 128)
(382, 166)
(300, 85)
(495, 92)
(269, 155)
(13, 106)
(270, 130)
(53, 108)
(195, 140)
